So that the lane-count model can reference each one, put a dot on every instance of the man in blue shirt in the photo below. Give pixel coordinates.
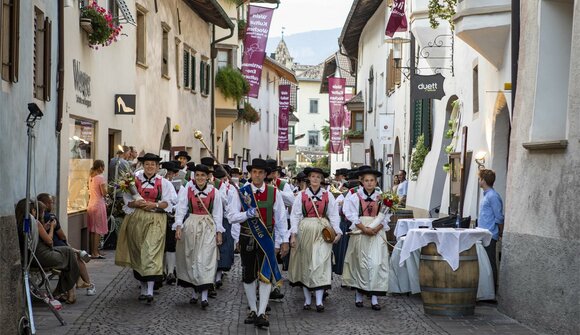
(402, 188)
(490, 215)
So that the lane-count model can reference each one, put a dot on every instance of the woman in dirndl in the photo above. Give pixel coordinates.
(200, 235)
(141, 241)
(311, 259)
(366, 264)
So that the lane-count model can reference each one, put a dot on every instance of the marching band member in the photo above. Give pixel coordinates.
(260, 211)
(141, 240)
(311, 265)
(366, 264)
(199, 237)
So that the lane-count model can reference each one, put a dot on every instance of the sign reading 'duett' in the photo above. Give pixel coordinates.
(427, 87)
(125, 104)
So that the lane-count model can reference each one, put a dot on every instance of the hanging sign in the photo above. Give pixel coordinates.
(259, 19)
(336, 101)
(428, 87)
(284, 108)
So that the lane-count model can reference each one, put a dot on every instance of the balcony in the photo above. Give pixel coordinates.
(226, 111)
(485, 26)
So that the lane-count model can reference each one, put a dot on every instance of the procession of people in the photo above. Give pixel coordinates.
(184, 222)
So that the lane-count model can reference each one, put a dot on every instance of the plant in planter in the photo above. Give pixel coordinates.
(418, 157)
(103, 29)
(353, 134)
(231, 83)
(249, 113)
(446, 167)
(242, 29)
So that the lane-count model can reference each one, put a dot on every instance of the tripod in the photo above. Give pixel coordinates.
(35, 114)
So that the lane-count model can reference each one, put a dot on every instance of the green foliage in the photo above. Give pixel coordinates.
(322, 163)
(231, 83)
(446, 167)
(441, 9)
(418, 157)
(242, 25)
(353, 133)
(249, 113)
(104, 29)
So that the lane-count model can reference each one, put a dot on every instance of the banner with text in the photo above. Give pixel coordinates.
(346, 118)
(397, 20)
(259, 19)
(336, 100)
(284, 112)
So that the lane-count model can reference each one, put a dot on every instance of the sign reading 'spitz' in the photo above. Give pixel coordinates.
(428, 87)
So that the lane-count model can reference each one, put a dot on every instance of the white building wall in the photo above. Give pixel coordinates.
(310, 90)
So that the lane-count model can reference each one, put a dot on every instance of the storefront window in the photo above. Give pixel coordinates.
(81, 143)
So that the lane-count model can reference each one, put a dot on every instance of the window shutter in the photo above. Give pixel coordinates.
(193, 71)
(14, 37)
(207, 77)
(202, 77)
(185, 68)
(47, 59)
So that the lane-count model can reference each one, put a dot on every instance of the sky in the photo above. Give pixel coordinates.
(298, 16)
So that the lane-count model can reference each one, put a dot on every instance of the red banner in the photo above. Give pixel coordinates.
(257, 30)
(347, 117)
(284, 112)
(397, 20)
(336, 100)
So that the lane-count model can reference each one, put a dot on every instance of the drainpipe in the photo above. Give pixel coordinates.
(60, 95)
(412, 69)
(213, 52)
(515, 47)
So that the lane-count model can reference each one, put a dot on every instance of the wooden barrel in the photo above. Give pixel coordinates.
(444, 291)
(399, 214)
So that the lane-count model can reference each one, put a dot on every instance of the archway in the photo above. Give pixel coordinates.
(500, 144)
(166, 136)
(396, 157)
(440, 176)
(372, 162)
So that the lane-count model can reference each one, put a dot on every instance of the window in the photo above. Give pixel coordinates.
(177, 53)
(141, 36)
(393, 74)
(193, 71)
(422, 121)
(41, 56)
(291, 135)
(313, 137)
(81, 155)
(114, 9)
(207, 77)
(165, 50)
(357, 122)
(223, 58)
(204, 76)
(9, 39)
(371, 92)
(186, 68)
(475, 86)
(313, 106)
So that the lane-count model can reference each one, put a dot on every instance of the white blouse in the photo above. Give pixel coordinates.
(168, 193)
(331, 212)
(351, 205)
(183, 205)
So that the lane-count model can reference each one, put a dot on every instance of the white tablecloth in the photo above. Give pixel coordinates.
(403, 225)
(450, 242)
(405, 278)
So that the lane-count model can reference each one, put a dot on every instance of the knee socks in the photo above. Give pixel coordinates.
(374, 300)
(170, 262)
(218, 275)
(250, 290)
(264, 297)
(150, 285)
(319, 295)
(358, 297)
(307, 296)
(143, 288)
(204, 295)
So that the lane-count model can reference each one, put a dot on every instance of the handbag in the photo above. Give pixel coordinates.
(328, 233)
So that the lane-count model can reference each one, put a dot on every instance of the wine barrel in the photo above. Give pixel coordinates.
(399, 214)
(444, 291)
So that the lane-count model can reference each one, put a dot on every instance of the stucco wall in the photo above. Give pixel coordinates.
(541, 240)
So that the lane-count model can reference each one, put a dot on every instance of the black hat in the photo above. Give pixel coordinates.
(208, 162)
(352, 174)
(183, 154)
(341, 172)
(227, 168)
(190, 166)
(300, 176)
(365, 169)
(149, 157)
(258, 163)
(235, 171)
(309, 170)
(201, 168)
(281, 171)
(219, 171)
(170, 166)
(272, 164)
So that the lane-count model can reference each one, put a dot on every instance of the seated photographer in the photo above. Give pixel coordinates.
(59, 239)
(60, 258)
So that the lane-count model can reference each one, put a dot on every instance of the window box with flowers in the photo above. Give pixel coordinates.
(354, 134)
(99, 25)
(249, 113)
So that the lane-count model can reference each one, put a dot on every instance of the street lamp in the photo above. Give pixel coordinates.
(480, 159)
(397, 43)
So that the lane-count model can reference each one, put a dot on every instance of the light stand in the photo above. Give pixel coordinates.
(35, 114)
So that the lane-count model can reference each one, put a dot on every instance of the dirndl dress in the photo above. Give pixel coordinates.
(226, 259)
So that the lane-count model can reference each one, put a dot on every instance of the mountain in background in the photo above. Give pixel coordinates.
(309, 48)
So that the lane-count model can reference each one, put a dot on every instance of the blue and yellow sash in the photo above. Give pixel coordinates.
(261, 234)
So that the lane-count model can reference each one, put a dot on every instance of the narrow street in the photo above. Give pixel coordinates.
(116, 310)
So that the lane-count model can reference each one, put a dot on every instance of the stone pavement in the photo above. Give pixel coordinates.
(116, 310)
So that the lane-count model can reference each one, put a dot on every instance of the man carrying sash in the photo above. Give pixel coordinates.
(260, 211)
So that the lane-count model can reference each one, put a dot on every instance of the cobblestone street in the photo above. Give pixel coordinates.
(116, 310)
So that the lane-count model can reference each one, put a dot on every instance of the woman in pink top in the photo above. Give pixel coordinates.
(97, 210)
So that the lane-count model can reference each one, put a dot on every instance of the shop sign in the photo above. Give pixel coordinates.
(82, 82)
(428, 87)
(125, 104)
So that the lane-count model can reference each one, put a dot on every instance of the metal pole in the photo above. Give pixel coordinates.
(27, 228)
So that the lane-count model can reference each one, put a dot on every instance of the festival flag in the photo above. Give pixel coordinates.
(257, 30)
(284, 111)
(397, 20)
(336, 107)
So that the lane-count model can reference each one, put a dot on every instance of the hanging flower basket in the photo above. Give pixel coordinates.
(249, 113)
(103, 30)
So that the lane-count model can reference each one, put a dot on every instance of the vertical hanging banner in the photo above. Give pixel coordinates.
(255, 46)
(397, 19)
(346, 118)
(336, 108)
(284, 112)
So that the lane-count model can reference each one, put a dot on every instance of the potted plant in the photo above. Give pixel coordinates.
(103, 30)
(353, 134)
(249, 113)
(418, 157)
(231, 83)
(241, 29)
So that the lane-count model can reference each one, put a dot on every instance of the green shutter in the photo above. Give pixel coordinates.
(422, 122)
(201, 77)
(185, 68)
(193, 70)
